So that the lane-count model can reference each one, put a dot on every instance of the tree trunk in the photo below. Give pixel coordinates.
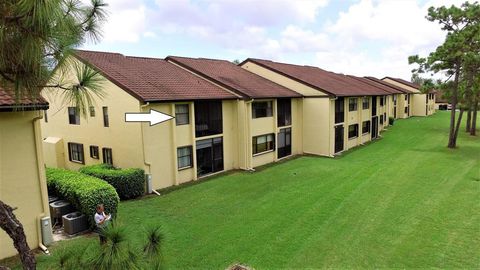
(10, 224)
(457, 127)
(452, 142)
(469, 119)
(473, 128)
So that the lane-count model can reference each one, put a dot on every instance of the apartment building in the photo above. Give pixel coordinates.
(399, 100)
(22, 166)
(216, 128)
(339, 111)
(420, 104)
(268, 112)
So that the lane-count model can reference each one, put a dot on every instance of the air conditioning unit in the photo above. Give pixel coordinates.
(74, 223)
(60, 208)
(52, 199)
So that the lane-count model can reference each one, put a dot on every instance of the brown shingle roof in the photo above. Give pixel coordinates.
(385, 88)
(152, 79)
(329, 82)
(9, 102)
(399, 90)
(234, 77)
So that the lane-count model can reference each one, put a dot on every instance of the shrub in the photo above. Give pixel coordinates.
(391, 120)
(129, 183)
(84, 192)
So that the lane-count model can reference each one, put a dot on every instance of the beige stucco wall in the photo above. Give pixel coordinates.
(22, 172)
(419, 105)
(317, 123)
(125, 139)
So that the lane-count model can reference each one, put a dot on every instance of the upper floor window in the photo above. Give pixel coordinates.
(353, 131)
(75, 153)
(106, 121)
(382, 100)
(339, 110)
(365, 103)
(92, 111)
(73, 115)
(284, 112)
(394, 99)
(45, 116)
(182, 114)
(381, 119)
(262, 109)
(352, 104)
(208, 118)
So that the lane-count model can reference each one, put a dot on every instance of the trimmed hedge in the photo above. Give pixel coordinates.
(129, 183)
(84, 192)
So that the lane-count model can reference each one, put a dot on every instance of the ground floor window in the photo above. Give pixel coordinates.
(284, 142)
(184, 157)
(75, 152)
(381, 119)
(263, 143)
(209, 156)
(107, 156)
(94, 151)
(353, 131)
(366, 127)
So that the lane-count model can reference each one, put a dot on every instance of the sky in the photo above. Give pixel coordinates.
(357, 37)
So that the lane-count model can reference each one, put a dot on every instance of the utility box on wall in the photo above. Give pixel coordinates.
(46, 229)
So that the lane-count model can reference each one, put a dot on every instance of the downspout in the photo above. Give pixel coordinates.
(247, 134)
(145, 162)
(43, 182)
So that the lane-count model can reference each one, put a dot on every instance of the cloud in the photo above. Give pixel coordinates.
(126, 21)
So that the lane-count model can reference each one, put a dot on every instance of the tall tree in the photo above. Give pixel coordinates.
(462, 34)
(36, 39)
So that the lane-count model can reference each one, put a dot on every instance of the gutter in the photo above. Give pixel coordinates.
(42, 176)
(145, 162)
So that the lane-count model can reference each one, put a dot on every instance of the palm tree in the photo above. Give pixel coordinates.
(37, 37)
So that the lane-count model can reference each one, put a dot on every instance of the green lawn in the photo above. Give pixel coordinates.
(401, 202)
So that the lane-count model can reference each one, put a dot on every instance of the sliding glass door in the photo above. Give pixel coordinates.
(209, 156)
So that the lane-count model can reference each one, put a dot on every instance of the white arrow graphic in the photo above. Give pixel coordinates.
(154, 117)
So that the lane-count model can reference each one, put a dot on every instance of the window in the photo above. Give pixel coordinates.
(184, 157)
(394, 100)
(284, 142)
(75, 153)
(382, 100)
(365, 103)
(208, 118)
(284, 112)
(107, 156)
(182, 115)
(92, 111)
(366, 127)
(385, 117)
(339, 110)
(352, 104)
(106, 122)
(261, 109)
(381, 119)
(73, 116)
(353, 131)
(45, 116)
(406, 109)
(406, 97)
(94, 151)
(263, 143)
